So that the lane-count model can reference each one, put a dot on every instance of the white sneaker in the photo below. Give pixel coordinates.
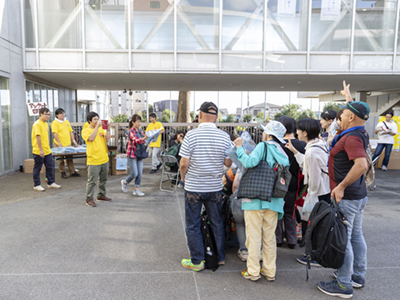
(138, 193)
(54, 186)
(384, 168)
(124, 186)
(38, 188)
(243, 255)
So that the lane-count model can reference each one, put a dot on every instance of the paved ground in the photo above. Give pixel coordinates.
(55, 247)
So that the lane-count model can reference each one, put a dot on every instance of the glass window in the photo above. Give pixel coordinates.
(6, 129)
(198, 25)
(287, 23)
(105, 24)
(374, 25)
(29, 20)
(242, 25)
(331, 25)
(36, 93)
(153, 25)
(60, 23)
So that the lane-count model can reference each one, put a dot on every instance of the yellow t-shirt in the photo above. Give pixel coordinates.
(40, 128)
(86, 125)
(63, 131)
(156, 125)
(96, 151)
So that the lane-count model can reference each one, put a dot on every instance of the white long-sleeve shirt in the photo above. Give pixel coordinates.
(315, 169)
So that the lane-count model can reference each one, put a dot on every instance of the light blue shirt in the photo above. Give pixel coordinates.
(253, 159)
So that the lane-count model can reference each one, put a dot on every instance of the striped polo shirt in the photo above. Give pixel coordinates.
(205, 147)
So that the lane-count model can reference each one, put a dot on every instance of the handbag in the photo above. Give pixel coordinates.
(140, 152)
(258, 182)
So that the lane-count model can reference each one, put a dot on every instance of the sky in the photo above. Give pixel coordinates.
(232, 100)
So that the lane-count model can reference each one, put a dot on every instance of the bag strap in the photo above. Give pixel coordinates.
(265, 151)
(323, 149)
(387, 127)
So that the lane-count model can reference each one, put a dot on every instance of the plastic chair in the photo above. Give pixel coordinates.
(171, 175)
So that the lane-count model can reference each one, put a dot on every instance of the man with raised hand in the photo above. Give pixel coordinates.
(347, 164)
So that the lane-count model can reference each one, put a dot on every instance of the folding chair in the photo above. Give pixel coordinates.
(166, 170)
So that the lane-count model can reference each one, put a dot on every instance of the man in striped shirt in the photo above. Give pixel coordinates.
(201, 166)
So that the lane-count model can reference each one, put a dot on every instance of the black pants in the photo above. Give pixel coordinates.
(39, 161)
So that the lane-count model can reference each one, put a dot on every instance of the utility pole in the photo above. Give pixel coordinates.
(170, 107)
(265, 106)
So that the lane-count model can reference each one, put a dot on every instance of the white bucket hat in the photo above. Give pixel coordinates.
(276, 129)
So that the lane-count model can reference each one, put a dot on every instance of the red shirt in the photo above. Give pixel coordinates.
(348, 148)
(134, 137)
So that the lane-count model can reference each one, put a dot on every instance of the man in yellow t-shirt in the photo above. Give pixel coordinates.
(63, 135)
(42, 152)
(97, 158)
(154, 146)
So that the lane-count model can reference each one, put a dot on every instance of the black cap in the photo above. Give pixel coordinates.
(360, 109)
(207, 106)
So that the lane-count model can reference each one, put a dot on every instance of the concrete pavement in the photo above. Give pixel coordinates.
(55, 247)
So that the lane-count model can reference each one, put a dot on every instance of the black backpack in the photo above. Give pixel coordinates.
(210, 249)
(326, 236)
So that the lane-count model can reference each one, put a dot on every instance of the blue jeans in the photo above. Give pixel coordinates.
(193, 204)
(388, 150)
(355, 261)
(39, 161)
(136, 167)
(238, 214)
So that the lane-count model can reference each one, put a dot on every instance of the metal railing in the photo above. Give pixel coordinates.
(119, 132)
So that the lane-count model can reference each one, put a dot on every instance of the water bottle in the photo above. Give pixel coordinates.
(209, 252)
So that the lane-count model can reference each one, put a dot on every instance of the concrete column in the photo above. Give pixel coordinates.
(396, 111)
(361, 96)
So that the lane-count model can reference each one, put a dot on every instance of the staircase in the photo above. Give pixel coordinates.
(385, 107)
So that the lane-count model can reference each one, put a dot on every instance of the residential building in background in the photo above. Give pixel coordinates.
(160, 106)
(271, 109)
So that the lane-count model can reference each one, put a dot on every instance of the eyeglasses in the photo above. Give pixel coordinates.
(47, 114)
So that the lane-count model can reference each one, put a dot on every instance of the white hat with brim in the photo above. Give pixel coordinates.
(276, 129)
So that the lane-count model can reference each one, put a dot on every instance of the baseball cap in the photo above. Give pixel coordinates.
(207, 106)
(360, 109)
(276, 129)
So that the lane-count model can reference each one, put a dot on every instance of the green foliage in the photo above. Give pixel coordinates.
(165, 116)
(122, 118)
(192, 115)
(260, 115)
(220, 119)
(143, 114)
(230, 118)
(150, 108)
(331, 106)
(247, 117)
(308, 113)
(289, 110)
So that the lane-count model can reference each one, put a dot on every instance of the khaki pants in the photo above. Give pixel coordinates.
(261, 225)
(70, 163)
(99, 172)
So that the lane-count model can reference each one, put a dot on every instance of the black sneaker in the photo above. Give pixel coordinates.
(64, 175)
(159, 166)
(153, 171)
(75, 175)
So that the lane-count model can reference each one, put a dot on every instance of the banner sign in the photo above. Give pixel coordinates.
(287, 8)
(330, 10)
(34, 108)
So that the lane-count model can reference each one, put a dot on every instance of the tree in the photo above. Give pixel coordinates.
(260, 115)
(192, 115)
(247, 117)
(183, 107)
(308, 113)
(220, 118)
(143, 114)
(289, 110)
(165, 116)
(230, 118)
(121, 118)
(150, 108)
(331, 106)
